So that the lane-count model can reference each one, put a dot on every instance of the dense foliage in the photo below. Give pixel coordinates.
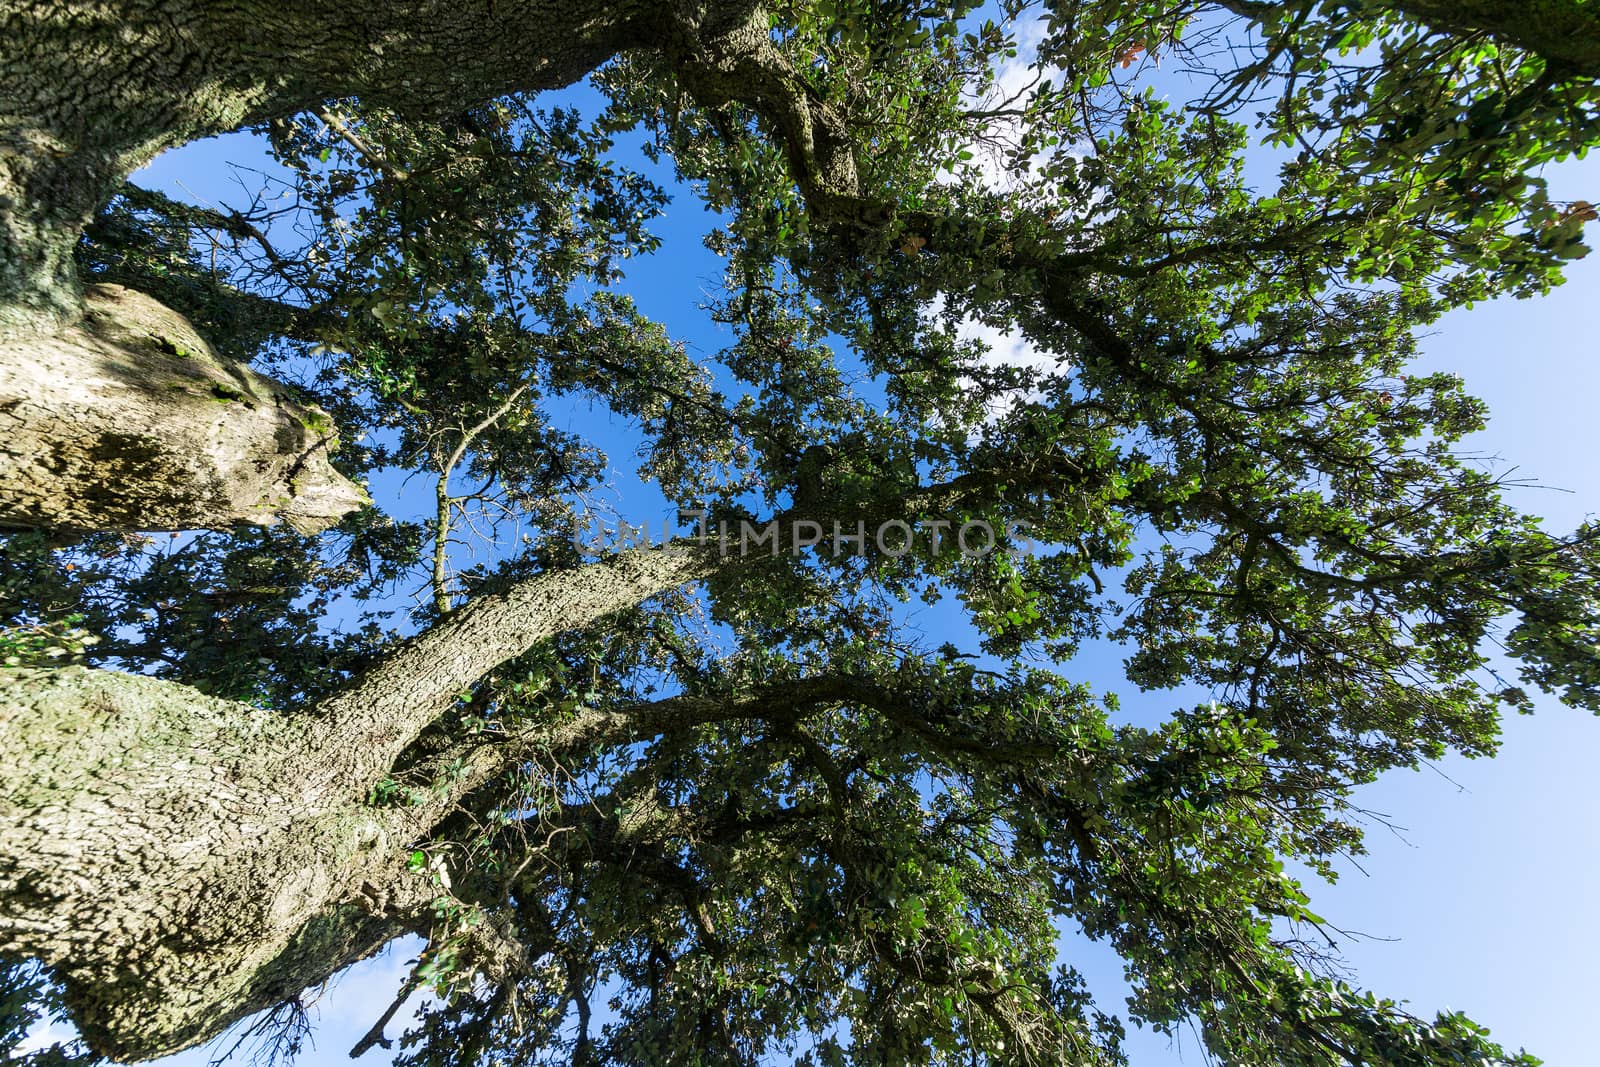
(845, 841)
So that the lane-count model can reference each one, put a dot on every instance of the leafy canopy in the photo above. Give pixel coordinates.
(771, 818)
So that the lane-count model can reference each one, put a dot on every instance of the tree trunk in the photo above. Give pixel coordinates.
(91, 91)
(156, 848)
(183, 861)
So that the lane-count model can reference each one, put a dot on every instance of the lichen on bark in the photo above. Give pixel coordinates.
(129, 420)
(183, 861)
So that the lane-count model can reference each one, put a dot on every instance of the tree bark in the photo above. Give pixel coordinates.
(130, 421)
(91, 91)
(183, 861)
(157, 852)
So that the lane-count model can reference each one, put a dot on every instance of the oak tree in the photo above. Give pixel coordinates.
(689, 805)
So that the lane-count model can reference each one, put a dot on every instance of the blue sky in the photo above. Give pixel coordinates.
(1490, 889)
(1483, 902)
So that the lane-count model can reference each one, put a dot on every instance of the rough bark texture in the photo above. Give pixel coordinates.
(184, 861)
(157, 852)
(130, 421)
(374, 722)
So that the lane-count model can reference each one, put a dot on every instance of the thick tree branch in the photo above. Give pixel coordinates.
(134, 422)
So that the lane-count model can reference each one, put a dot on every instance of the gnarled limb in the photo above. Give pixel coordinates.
(130, 421)
(183, 861)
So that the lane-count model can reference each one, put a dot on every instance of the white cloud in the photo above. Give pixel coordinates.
(43, 1035)
(1003, 348)
(1009, 349)
(1015, 79)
